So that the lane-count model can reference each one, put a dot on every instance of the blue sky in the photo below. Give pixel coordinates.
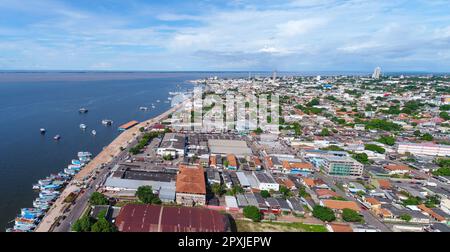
(295, 35)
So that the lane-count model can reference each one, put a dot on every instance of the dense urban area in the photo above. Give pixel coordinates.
(349, 154)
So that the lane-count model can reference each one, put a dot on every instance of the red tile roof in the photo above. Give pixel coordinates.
(340, 205)
(191, 179)
(341, 227)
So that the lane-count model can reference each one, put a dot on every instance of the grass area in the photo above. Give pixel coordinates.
(248, 226)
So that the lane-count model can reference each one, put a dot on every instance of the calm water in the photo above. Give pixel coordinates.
(52, 101)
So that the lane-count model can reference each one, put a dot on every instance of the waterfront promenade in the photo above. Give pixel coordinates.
(107, 155)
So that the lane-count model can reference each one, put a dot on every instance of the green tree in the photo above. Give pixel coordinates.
(412, 201)
(265, 193)
(427, 137)
(388, 140)
(406, 217)
(258, 131)
(332, 148)
(286, 192)
(145, 194)
(325, 132)
(444, 115)
(313, 102)
(253, 213)
(375, 148)
(102, 225)
(350, 215)
(98, 199)
(323, 213)
(361, 157)
(218, 189)
(83, 224)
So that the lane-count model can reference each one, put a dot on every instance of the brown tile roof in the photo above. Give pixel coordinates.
(154, 218)
(269, 162)
(231, 160)
(326, 193)
(341, 227)
(394, 167)
(431, 212)
(309, 182)
(372, 201)
(191, 179)
(384, 184)
(340, 205)
(256, 160)
(212, 161)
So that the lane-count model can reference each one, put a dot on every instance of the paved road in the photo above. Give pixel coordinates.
(368, 215)
(77, 209)
(81, 202)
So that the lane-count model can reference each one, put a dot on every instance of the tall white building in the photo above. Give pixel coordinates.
(376, 73)
(424, 149)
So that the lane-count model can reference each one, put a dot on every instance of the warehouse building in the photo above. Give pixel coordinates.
(238, 148)
(154, 218)
(190, 185)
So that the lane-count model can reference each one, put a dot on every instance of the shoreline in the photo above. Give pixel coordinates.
(100, 160)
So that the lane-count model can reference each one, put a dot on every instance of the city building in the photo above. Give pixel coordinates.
(156, 218)
(342, 166)
(427, 149)
(190, 185)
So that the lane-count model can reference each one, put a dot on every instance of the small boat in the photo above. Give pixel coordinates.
(169, 98)
(36, 186)
(143, 108)
(158, 101)
(153, 106)
(94, 132)
(42, 130)
(33, 211)
(83, 126)
(12, 230)
(46, 181)
(75, 162)
(51, 186)
(107, 122)
(74, 167)
(83, 110)
(57, 137)
(24, 227)
(70, 172)
(84, 154)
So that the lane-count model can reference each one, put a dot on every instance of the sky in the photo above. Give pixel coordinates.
(209, 35)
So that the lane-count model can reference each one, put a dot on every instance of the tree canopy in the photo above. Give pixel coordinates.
(145, 194)
(98, 199)
(253, 213)
(323, 213)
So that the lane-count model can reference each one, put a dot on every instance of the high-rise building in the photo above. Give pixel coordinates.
(376, 73)
(342, 166)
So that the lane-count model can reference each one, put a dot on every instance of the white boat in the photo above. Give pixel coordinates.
(83, 126)
(84, 154)
(42, 130)
(169, 98)
(83, 110)
(94, 132)
(143, 108)
(57, 137)
(107, 122)
(158, 101)
(153, 106)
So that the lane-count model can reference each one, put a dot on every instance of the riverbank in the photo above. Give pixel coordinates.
(106, 156)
